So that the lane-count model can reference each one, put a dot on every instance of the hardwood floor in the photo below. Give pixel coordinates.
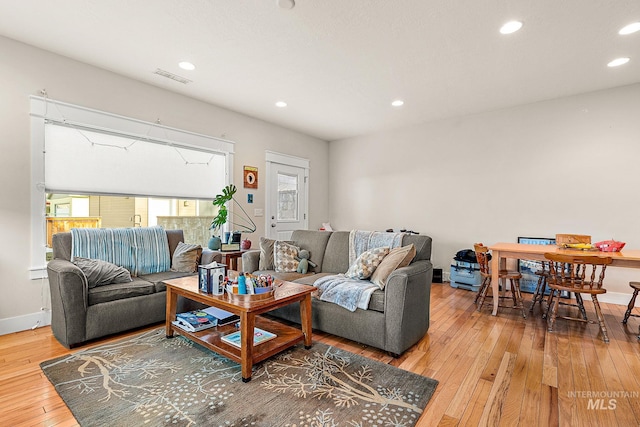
(502, 370)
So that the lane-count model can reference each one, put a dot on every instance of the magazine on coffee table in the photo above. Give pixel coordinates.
(196, 320)
(259, 336)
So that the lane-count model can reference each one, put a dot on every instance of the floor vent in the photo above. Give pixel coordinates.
(172, 76)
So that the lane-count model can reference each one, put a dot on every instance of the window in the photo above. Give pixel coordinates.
(98, 169)
(100, 211)
(287, 197)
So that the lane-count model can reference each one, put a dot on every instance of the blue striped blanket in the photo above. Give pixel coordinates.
(140, 250)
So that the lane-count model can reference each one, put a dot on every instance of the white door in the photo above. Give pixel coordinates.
(286, 198)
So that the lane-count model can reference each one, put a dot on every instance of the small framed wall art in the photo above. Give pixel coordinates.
(250, 177)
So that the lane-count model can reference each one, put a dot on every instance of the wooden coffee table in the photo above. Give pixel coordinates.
(285, 293)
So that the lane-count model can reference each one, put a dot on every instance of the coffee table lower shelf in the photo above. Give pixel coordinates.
(287, 336)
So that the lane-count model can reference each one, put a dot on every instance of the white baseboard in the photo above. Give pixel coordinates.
(616, 298)
(25, 322)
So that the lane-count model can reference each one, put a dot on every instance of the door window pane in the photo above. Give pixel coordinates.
(287, 197)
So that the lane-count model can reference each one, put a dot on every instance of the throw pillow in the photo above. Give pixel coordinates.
(398, 257)
(284, 257)
(186, 257)
(266, 254)
(364, 266)
(99, 272)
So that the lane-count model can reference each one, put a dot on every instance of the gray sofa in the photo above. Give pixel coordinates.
(80, 313)
(397, 317)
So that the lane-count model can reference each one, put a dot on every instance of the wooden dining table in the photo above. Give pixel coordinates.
(500, 252)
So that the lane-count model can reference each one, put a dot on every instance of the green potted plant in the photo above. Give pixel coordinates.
(244, 222)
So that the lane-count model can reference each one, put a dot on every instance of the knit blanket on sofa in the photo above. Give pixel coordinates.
(141, 250)
(347, 293)
(361, 241)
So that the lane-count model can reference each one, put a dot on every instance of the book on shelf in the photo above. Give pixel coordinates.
(195, 320)
(186, 327)
(259, 336)
(223, 317)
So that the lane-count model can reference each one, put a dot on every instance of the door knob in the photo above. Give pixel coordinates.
(273, 225)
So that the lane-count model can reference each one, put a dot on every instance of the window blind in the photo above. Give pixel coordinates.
(82, 160)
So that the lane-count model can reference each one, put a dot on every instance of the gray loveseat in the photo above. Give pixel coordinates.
(397, 316)
(80, 313)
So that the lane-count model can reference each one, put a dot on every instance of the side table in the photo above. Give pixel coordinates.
(228, 258)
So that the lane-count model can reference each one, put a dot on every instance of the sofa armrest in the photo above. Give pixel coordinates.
(407, 302)
(69, 301)
(251, 261)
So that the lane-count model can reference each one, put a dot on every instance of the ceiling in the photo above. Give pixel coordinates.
(339, 63)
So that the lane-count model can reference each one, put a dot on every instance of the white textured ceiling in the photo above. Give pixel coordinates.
(339, 63)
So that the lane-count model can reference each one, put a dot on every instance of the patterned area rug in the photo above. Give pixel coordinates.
(151, 380)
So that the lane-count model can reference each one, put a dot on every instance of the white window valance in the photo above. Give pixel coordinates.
(78, 160)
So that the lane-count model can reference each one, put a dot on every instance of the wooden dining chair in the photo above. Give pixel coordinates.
(581, 275)
(541, 290)
(541, 287)
(636, 287)
(482, 255)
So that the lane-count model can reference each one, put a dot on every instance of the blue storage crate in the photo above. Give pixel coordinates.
(466, 275)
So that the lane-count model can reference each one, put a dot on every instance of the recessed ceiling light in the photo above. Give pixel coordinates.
(281, 104)
(510, 27)
(187, 65)
(398, 103)
(630, 29)
(617, 62)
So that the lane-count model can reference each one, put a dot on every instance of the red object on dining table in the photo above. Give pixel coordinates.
(609, 245)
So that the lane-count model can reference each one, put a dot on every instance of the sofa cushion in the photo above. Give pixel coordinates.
(185, 257)
(100, 273)
(336, 257)
(173, 238)
(310, 279)
(422, 244)
(316, 243)
(397, 258)
(364, 266)
(118, 291)
(158, 278)
(284, 257)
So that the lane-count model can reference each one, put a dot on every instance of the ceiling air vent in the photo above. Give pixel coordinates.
(172, 76)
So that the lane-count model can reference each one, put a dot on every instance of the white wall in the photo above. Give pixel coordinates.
(25, 70)
(569, 165)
